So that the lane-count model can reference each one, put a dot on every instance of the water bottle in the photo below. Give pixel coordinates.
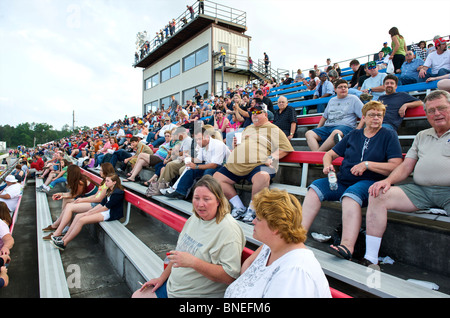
(332, 179)
(166, 260)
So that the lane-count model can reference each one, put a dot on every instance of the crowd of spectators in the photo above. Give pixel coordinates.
(241, 136)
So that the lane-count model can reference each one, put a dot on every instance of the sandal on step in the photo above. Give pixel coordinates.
(341, 252)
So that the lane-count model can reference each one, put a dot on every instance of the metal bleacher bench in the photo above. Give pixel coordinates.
(52, 278)
(146, 262)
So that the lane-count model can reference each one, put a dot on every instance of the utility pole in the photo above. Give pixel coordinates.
(73, 121)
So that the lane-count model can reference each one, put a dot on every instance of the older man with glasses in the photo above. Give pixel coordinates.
(409, 72)
(429, 161)
(285, 118)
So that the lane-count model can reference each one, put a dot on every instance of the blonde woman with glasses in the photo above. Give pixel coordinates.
(370, 154)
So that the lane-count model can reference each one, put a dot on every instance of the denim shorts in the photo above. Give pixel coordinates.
(325, 131)
(359, 191)
(161, 292)
(249, 176)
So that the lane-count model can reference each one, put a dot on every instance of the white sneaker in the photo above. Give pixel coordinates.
(438, 211)
(167, 190)
(249, 215)
(237, 213)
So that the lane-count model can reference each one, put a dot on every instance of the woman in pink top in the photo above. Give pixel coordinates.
(221, 123)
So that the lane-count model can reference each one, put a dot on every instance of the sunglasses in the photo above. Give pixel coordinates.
(257, 112)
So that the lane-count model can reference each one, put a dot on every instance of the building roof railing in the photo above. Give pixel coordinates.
(211, 13)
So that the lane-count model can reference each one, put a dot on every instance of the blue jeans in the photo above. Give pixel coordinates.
(389, 126)
(409, 79)
(359, 191)
(56, 181)
(442, 71)
(99, 159)
(159, 141)
(119, 155)
(189, 177)
(150, 136)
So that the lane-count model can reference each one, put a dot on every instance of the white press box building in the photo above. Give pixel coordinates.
(177, 64)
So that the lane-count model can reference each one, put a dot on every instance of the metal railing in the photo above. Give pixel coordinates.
(362, 59)
(212, 9)
(242, 62)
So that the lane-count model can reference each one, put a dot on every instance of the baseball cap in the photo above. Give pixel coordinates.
(371, 64)
(10, 178)
(439, 41)
(259, 106)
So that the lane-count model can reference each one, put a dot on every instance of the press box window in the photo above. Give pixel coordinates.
(151, 81)
(198, 57)
(169, 72)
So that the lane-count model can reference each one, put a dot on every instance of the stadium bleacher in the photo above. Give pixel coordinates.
(295, 174)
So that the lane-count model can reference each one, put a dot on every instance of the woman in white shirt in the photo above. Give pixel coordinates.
(282, 266)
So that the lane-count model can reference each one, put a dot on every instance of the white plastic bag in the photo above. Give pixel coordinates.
(390, 67)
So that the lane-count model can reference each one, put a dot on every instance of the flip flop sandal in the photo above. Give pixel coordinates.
(342, 252)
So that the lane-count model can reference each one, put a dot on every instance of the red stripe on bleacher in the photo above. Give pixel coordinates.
(312, 157)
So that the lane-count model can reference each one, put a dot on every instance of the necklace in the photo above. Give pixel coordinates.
(365, 146)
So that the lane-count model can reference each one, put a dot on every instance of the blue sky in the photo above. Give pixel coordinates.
(60, 56)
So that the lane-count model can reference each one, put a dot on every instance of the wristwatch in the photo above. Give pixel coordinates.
(270, 157)
(196, 166)
(366, 163)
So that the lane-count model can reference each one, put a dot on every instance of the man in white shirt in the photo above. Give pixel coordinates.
(438, 61)
(210, 158)
(120, 135)
(10, 195)
(168, 125)
(340, 117)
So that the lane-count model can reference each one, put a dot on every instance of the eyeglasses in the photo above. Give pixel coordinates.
(257, 112)
(375, 115)
(441, 109)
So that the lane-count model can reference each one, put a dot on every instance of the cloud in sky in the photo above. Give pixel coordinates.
(60, 56)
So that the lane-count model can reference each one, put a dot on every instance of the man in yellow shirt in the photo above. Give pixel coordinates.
(255, 159)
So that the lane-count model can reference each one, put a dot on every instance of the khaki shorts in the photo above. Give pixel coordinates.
(426, 197)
